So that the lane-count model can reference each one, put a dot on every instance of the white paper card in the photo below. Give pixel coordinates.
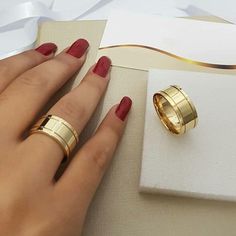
(198, 41)
(202, 162)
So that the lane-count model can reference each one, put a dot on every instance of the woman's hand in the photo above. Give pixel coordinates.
(31, 201)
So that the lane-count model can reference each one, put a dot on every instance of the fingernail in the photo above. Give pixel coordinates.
(78, 48)
(47, 48)
(102, 67)
(124, 107)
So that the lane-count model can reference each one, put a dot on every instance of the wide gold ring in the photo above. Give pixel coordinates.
(175, 109)
(59, 130)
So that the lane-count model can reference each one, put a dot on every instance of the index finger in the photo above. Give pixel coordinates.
(12, 67)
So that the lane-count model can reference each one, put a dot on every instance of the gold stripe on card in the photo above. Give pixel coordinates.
(217, 66)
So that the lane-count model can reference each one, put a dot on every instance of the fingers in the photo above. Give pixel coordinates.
(26, 96)
(86, 170)
(76, 108)
(14, 66)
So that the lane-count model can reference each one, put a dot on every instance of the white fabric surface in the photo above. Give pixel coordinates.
(200, 163)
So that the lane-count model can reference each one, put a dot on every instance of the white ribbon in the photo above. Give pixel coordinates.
(194, 11)
(19, 23)
(28, 14)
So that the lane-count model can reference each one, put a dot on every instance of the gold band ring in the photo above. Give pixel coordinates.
(175, 109)
(58, 129)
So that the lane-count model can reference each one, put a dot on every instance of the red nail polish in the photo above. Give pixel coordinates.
(78, 48)
(124, 107)
(102, 67)
(47, 48)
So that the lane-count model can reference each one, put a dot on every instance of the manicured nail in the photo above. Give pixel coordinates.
(102, 67)
(78, 48)
(47, 48)
(124, 107)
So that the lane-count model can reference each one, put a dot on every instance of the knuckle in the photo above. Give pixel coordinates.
(114, 134)
(32, 79)
(97, 88)
(31, 58)
(4, 98)
(70, 108)
(100, 158)
(4, 69)
(9, 205)
(68, 64)
(5, 73)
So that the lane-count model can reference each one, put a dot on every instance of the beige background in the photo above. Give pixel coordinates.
(118, 208)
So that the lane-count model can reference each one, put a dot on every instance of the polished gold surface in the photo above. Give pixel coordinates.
(175, 109)
(58, 129)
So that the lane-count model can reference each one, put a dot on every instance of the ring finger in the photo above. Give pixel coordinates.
(76, 108)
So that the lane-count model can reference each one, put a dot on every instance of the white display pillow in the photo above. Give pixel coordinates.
(201, 163)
